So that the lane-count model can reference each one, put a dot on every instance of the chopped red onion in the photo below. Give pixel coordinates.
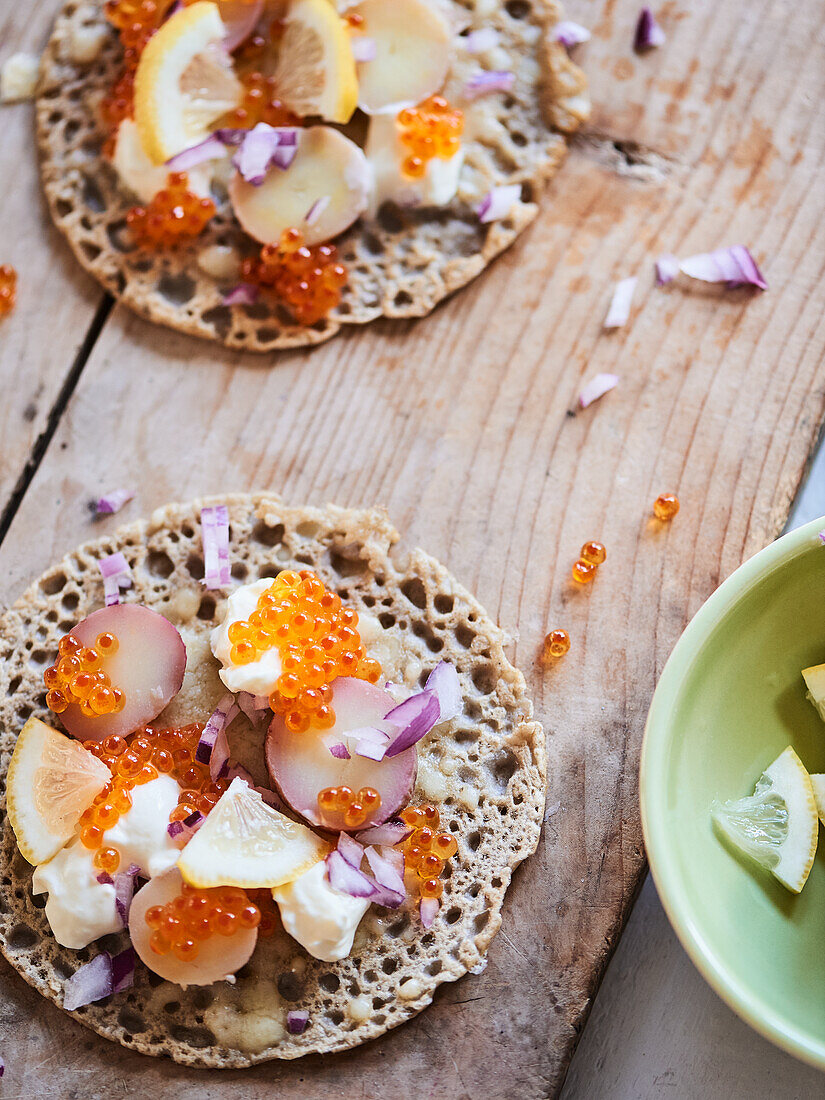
(734, 266)
(340, 751)
(255, 707)
(386, 874)
(213, 747)
(316, 210)
(2, 1066)
(263, 147)
(116, 575)
(597, 387)
(230, 136)
(667, 268)
(105, 879)
(348, 879)
(364, 48)
(238, 771)
(215, 532)
(822, 536)
(498, 202)
(394, 857)
(443, 680)
(189, 826)
(91, 982)
(428, 908)
(244, 294)
(296, 1021)
(648, 32)
(370, 751)
(239, 29)
(269, 797)
(619, 310)
(371, 743)
(112, 502)
(478, 41)
(570, 34)
(209, 149)
(488, 83)
(124, 883)
(391, 832)
(351, 850)
(416, 716)
(123, 970)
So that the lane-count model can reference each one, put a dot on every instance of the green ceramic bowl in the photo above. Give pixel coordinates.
(730, 699)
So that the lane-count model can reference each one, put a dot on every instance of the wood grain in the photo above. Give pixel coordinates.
(56, 300)
(459, 424)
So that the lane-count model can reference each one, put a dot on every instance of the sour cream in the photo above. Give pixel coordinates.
(321, 919)
(258, 677)
(386, 152)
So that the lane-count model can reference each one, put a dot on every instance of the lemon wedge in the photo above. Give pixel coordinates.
(184, 82)
(51, 781)
(246, 843)
(815, 682)
(315, 71)
(777, 825)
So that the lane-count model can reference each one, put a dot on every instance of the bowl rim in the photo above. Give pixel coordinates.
(746, 1001)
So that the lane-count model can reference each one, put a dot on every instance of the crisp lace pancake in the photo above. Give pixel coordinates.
(400, 265)
(486, 773)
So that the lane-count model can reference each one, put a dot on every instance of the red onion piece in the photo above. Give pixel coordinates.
(667, 268)
(370, 751)
(428, 908)
(240, 17)
(296, 1021)
(478, 41)
(417, 716)
(187, 828)
(619, 310)
(488, 83)
(255, 707)
(316, 210)
(443, 680)
(391, 832)
(213, 747)
(91, 982)
(215, 532)
(244, 294)
(570, 34)
(229, 135)
(263, 147)
(348, 879)
(105, 879)
(269, 796)
(123, 970)
(648, 33)
(734, 266)
(351, 850)
(386, 874)
(116, 574)
(498, 202)
(2, 1066)
(597, 387)
(209, 149)
(112, 502)
(340, 751)
(822, 536)
(364, 48)
(124, 883)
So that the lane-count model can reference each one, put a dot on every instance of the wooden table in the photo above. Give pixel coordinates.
(460, 425)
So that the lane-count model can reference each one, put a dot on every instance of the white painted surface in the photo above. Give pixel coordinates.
(657, 1029)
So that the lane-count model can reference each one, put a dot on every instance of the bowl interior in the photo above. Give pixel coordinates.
(730, 699)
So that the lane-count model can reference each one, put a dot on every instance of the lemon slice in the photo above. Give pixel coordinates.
(818, 784)
(315, 71)
(52, 780)
(244, 842)
(777, 825)
(815, 682)
(184, 82)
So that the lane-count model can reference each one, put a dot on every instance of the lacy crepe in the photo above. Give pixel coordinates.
(401, 264)
(485, 771)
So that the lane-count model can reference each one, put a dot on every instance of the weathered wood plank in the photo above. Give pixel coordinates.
(56, 301)
(459, 425)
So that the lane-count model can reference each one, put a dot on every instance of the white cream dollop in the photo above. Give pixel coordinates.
(321, 919)
(79, 908)
(141, 175)
(258, 677)
(385, 152)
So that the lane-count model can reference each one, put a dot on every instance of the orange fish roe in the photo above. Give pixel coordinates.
(173, 215)
(593, 552)
(182, 924)
(432, 129)
(119, 103)
(583, 571)
(426, 850)
(8, 288)
(665, 507)
(556, 644)
(76, 677)
(269, 911)
(139, 759)
(260, 104)
(307, 280)
(354, 808)
(317, 640)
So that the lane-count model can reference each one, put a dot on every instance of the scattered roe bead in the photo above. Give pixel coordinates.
(556, 644)
(583, 571)
(8, 288)
(181, 925)
(117, 104)
(666, 506)
(307, 280)
(260, 104)
(432, 129)
(76, 677)
(593, 552)
(426, 850)
(341, 802)
(174, 214)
